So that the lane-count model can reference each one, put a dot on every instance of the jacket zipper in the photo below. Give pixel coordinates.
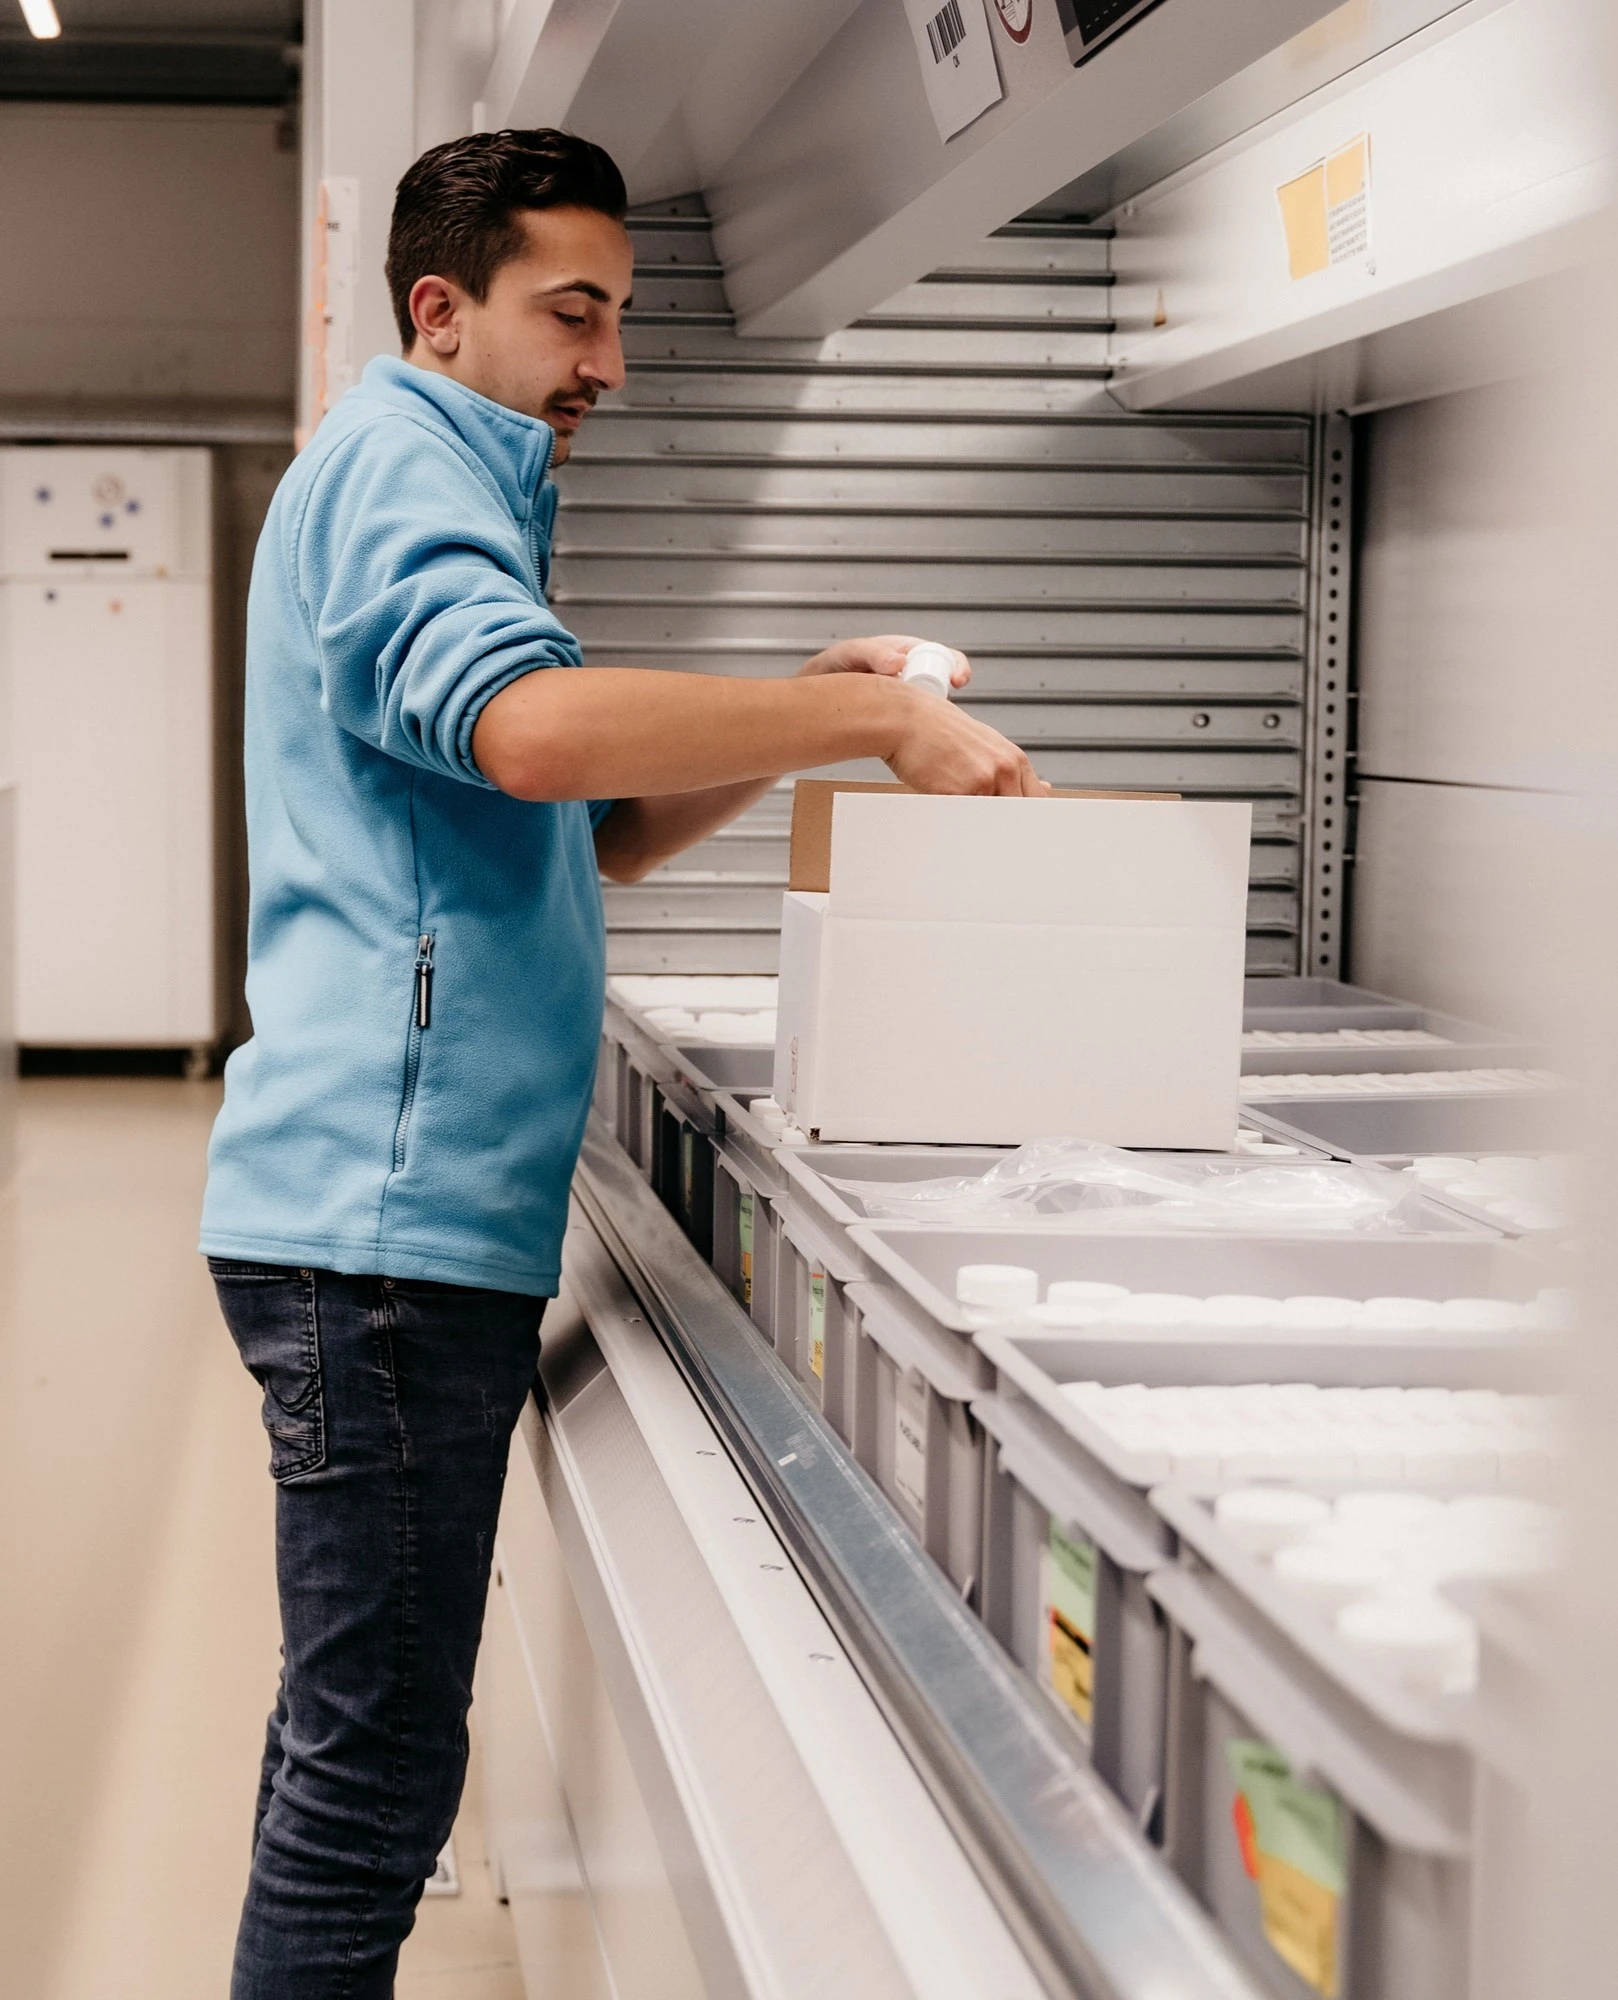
(421, 1018)
(540, 558)
(424, 980)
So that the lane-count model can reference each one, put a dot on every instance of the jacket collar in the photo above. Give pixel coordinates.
(514, 449)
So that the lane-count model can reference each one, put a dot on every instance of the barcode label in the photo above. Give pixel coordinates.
(946, 30)
(955, 54)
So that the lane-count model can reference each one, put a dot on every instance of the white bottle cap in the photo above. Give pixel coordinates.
(1390, 1315)
(1241, 1309)
(1060, 1312)
(999, 1287)
(1479, 1316)
(1389, 1518)
(1083, 1292)
(1159, 1309)
(1424, 1642)
(1327, 1314)
(929, 666)
(1332, 1573)
(1262, 1519)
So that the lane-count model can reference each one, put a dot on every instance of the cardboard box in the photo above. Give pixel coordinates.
(990, 971)
(809, 858)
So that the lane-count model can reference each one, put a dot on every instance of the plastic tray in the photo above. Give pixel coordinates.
(1459, 1260)
(910, 1389)
(1481, 1049)
(815, 1321)
(1429, 1812)
(1373, 1130)
(1322, 1003)
(716, 1066)
(1394, 1916)
(1036, 1362)
(1066, 1554)
(748, 1187)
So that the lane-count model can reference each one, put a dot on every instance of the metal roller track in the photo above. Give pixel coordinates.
(1138, 592)
(1086, 1897)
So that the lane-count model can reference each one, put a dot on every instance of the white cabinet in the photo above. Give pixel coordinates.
(107, 622)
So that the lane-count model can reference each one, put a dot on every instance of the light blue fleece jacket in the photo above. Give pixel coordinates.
(425, 955)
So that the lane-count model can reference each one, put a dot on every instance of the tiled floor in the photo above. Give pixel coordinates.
(136, 1583)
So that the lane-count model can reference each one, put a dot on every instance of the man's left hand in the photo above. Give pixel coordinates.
(884, 654)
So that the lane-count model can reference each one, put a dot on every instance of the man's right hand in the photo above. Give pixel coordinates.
(942, 749)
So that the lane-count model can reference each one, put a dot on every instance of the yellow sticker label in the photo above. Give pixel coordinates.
(744, 1229)
(1299, 1916)
(817, 1325)
(1326, 211)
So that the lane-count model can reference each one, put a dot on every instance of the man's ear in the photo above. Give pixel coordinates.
(435, 313)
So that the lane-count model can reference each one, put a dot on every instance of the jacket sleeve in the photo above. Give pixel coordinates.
(421, 596)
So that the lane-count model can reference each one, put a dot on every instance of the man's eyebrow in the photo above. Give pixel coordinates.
(587, 286)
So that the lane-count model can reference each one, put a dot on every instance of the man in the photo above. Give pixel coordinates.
(433, 782)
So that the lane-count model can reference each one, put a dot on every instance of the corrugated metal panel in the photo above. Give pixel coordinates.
(1134, 590)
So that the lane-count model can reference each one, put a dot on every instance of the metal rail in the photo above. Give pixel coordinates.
(1089, 1901)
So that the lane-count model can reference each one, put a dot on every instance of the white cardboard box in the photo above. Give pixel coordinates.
(990, 971)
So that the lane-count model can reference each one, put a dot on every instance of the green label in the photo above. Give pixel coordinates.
(817, 1324)
(1070, 1621)
(744, 1229)
(1299, 1824)
(1292, 1845)
(1073, 1581)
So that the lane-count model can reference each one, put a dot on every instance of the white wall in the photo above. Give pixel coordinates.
(149, 254)
(1470, 730)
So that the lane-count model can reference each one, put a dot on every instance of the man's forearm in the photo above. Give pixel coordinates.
(638, 834)
(629, 732)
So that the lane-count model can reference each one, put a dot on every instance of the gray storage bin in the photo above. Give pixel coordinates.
(1480, 1048)
(639, 1067)
(748, 1187)
(912, 1388)
(716, 1066)
(1459, 1260)
(810, 1170)
(1374, 1129)
(1066, 1554)
(1060, 1495)
(604, 1095)
(1322, 1003)
(815, 1321)
(1382, 1819)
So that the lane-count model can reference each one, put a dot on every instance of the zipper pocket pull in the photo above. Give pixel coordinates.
(424, 980)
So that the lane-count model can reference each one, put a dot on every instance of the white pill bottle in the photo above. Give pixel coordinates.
(929, 666)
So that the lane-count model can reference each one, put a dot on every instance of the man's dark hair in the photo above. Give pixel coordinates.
(455, 214)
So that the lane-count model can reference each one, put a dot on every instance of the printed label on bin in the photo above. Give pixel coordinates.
(910, 1443)
(817, 1324)
(744, 1229)
(1292, 1846)
(688, 1167)
(1068, 1595)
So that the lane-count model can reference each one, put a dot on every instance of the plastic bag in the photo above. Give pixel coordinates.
(1070, 1180)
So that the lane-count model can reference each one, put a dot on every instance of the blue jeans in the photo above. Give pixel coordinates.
(390, 1404)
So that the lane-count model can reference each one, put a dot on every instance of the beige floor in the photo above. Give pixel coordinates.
(136, 1584)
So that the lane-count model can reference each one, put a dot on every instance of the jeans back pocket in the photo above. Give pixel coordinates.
(271, 1312)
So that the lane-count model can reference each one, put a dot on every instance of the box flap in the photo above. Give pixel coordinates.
(1128, 863)
(809, 865)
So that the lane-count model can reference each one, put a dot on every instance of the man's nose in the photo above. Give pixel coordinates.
(603, 367)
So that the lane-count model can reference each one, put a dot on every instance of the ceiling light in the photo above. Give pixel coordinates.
(41, 18)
